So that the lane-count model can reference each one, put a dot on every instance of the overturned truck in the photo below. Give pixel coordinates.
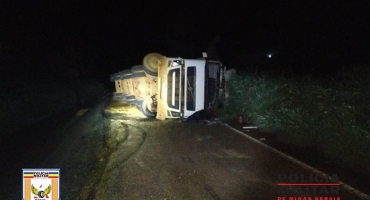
(164, 87)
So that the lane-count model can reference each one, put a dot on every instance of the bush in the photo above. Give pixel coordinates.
(331, 117)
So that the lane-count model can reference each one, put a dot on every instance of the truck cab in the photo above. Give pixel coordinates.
(167, 87)
(186, 86)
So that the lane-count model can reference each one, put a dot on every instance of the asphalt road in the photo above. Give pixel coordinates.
(194, 161)
(130, 157)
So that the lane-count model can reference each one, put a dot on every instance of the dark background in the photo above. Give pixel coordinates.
(96, 38)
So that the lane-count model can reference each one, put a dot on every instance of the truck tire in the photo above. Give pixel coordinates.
(139, 105)
(150, 63)
(118, 94)
(137, 71)
(122, 99)
(130, 99)
(145, 110)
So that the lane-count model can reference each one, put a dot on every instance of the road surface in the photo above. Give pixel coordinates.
(131, 157)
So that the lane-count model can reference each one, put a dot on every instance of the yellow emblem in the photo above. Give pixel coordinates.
(41, 194)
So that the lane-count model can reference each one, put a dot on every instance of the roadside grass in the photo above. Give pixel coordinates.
(24, 102)
(328, 116)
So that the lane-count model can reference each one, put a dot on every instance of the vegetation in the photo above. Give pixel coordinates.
(26, 101)
(330, 116)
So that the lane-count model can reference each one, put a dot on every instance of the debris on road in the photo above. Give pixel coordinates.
(250, 127)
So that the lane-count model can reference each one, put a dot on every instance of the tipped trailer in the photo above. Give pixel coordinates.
(167, 87)
(123, 87)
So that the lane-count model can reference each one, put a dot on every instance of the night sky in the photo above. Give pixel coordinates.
(104, 37)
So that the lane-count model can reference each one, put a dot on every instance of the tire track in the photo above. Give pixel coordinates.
(135, 139)
(113, 158)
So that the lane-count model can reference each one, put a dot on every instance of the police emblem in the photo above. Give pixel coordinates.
(41, 184)
(41, 193)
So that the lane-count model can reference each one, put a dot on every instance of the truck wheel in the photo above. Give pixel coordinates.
(139, 105)
(123, 99)
(150, 63)
(145, 110)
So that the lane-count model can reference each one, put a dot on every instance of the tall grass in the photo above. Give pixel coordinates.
(25, 101)
(333, 117)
